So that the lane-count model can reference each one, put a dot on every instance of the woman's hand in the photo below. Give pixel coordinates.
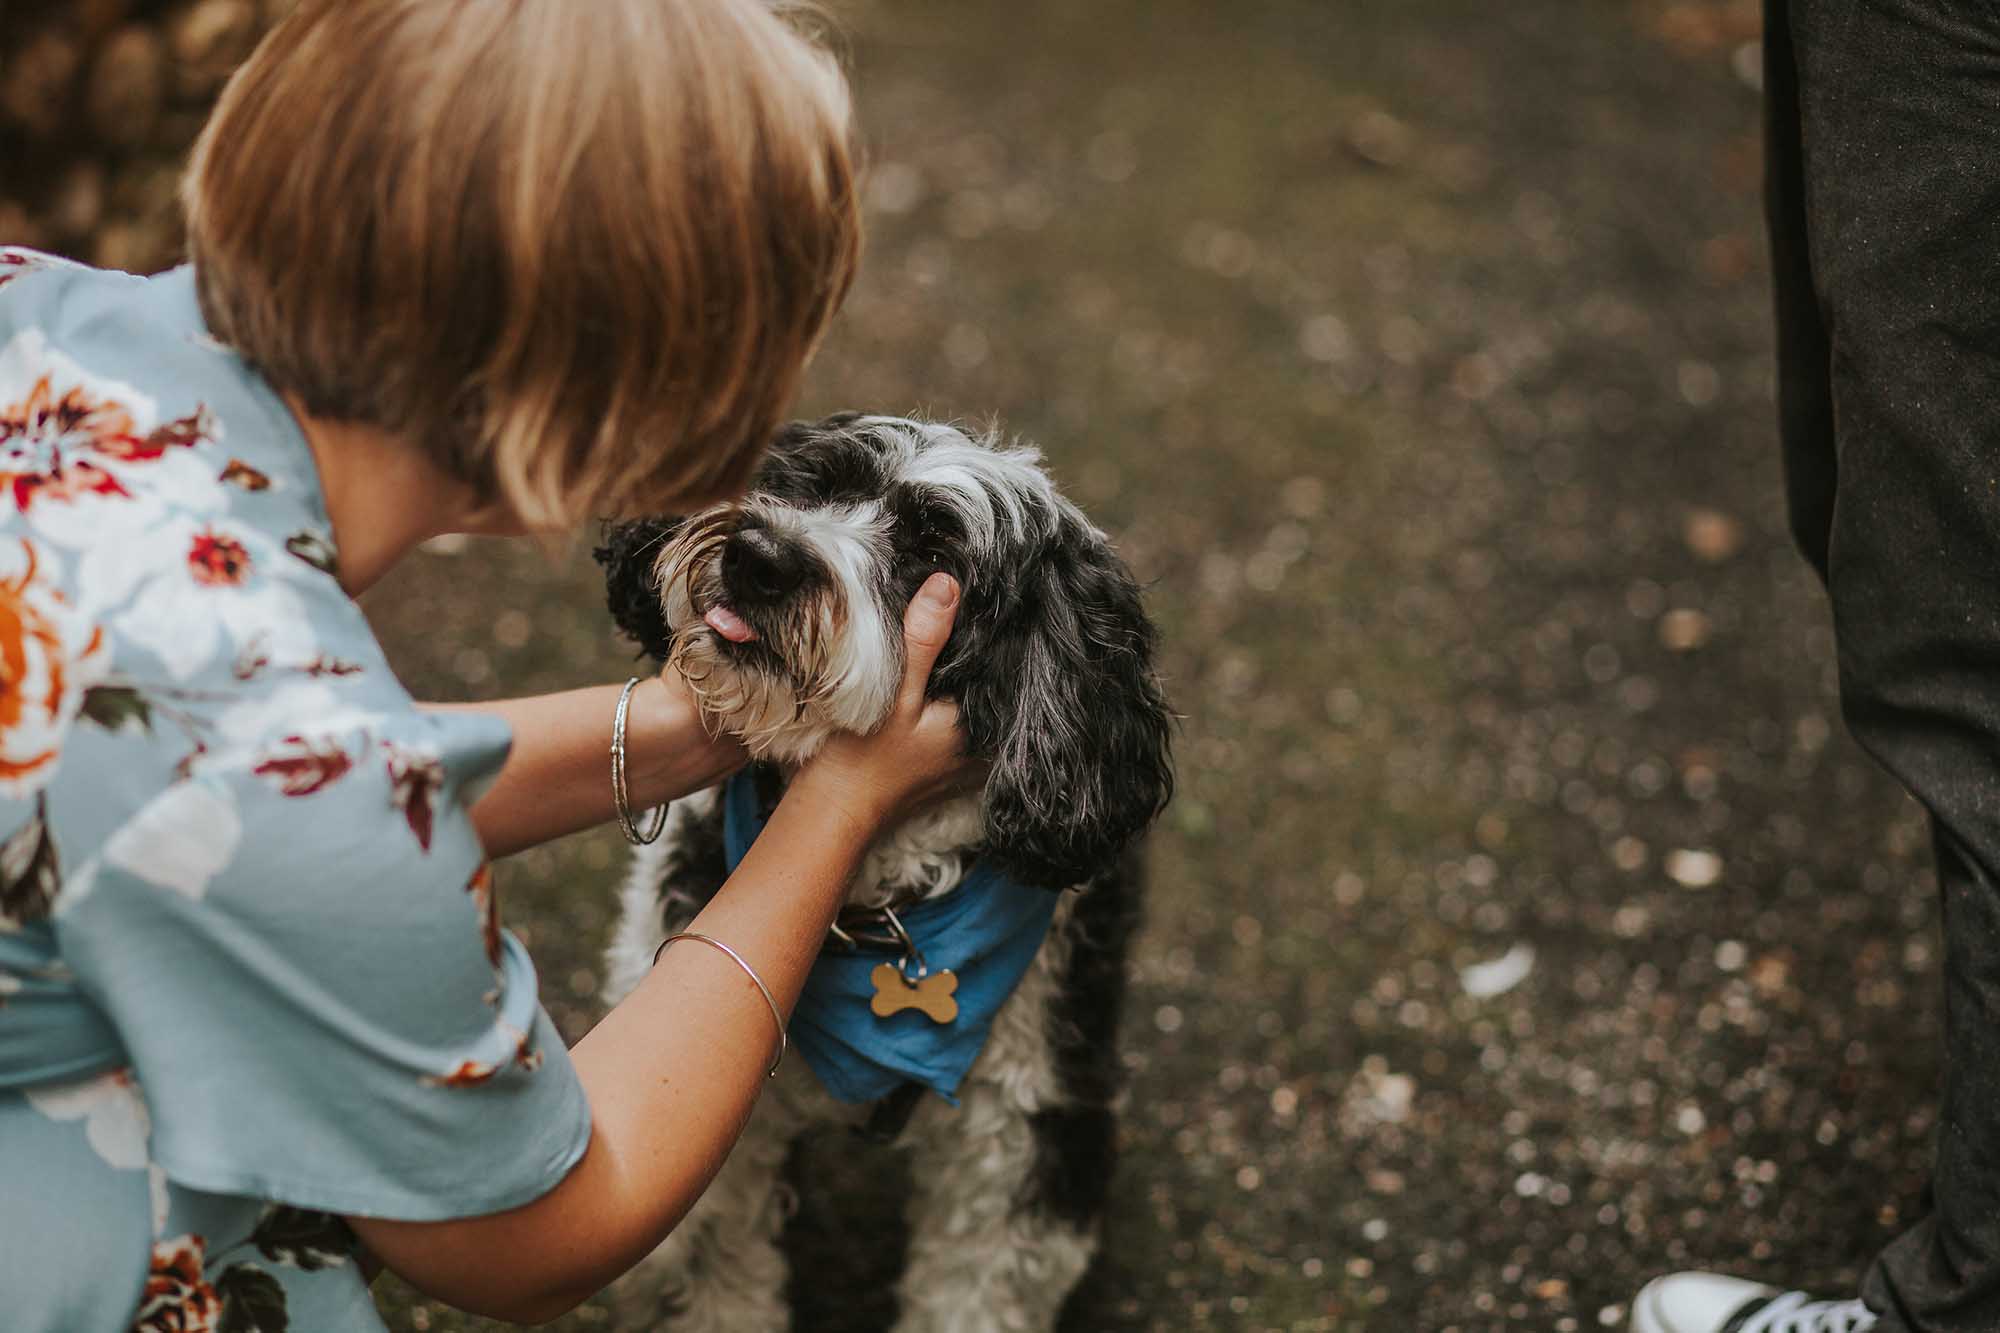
(670, 751)
(918, 753)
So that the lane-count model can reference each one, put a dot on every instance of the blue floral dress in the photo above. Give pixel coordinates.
(250, 973)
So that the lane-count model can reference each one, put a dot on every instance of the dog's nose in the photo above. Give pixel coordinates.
(758, 567)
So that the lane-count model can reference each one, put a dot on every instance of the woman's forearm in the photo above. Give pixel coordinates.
(670, 1074)
(557, 779)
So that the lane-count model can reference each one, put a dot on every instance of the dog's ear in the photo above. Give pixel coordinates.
(1058, 690)
(629, 553)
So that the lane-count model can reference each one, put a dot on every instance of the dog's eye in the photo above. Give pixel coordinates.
(927, 527)
(822, 473)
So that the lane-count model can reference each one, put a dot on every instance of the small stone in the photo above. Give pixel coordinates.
(1394, 1093)
(1483, 981)
(1326, 338)
(1700, 383)
(1385, 1182)
(1630, 921)
(895, 187)
(1770, 974)
(1379, 138)
(1712, 535)
(1683, 630)
(965, 346)
(513, 628)
(1692, 869)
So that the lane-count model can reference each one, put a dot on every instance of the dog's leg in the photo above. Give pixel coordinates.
(722, 1267)
(1009, 1188)
(1004, 1218)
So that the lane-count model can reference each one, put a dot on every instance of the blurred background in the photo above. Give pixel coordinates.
(1526, 925)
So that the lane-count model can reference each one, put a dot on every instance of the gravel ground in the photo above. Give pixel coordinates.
(1526, 924)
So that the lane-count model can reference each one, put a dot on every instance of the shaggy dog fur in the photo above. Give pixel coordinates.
(1051, 662)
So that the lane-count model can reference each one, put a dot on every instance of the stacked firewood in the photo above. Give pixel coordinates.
(99, 103)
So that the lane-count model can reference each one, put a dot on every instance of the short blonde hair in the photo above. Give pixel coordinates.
(580, 250)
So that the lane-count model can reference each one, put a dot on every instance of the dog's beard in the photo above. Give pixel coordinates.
(779, 697)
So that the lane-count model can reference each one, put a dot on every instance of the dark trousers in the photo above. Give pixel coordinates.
(1884, 198)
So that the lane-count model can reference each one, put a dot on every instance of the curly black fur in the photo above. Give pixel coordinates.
(1053, 670)
(627, 555)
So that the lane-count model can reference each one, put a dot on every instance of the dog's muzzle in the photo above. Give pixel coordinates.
(761, 569)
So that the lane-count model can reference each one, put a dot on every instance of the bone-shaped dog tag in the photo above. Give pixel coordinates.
(932, 996)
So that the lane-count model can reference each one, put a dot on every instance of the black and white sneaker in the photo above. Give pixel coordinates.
(1712, 1303)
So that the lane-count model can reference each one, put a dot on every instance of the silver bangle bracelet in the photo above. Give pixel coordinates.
(620, 799)
(783, 1040)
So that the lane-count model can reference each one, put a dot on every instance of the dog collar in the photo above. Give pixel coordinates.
(986, 932)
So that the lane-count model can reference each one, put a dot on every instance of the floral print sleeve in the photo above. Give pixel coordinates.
(251, 970)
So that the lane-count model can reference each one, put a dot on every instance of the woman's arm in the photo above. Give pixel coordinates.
(672, 1073)
(557, 779)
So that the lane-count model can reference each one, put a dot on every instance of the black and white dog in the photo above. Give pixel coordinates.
(785, 613)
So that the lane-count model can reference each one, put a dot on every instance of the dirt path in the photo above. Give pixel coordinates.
(1416, 351)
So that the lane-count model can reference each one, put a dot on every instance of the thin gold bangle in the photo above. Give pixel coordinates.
(621, 800)
(783, 1041)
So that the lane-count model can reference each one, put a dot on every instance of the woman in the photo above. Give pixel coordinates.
(485, 268)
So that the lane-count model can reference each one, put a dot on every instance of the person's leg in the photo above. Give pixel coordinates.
(1901, 116)
(1805, 393)
(1891, 163)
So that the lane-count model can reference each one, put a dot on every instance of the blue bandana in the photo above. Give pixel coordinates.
(987, 931)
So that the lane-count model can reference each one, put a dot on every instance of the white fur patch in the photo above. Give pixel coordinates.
(994, 488)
